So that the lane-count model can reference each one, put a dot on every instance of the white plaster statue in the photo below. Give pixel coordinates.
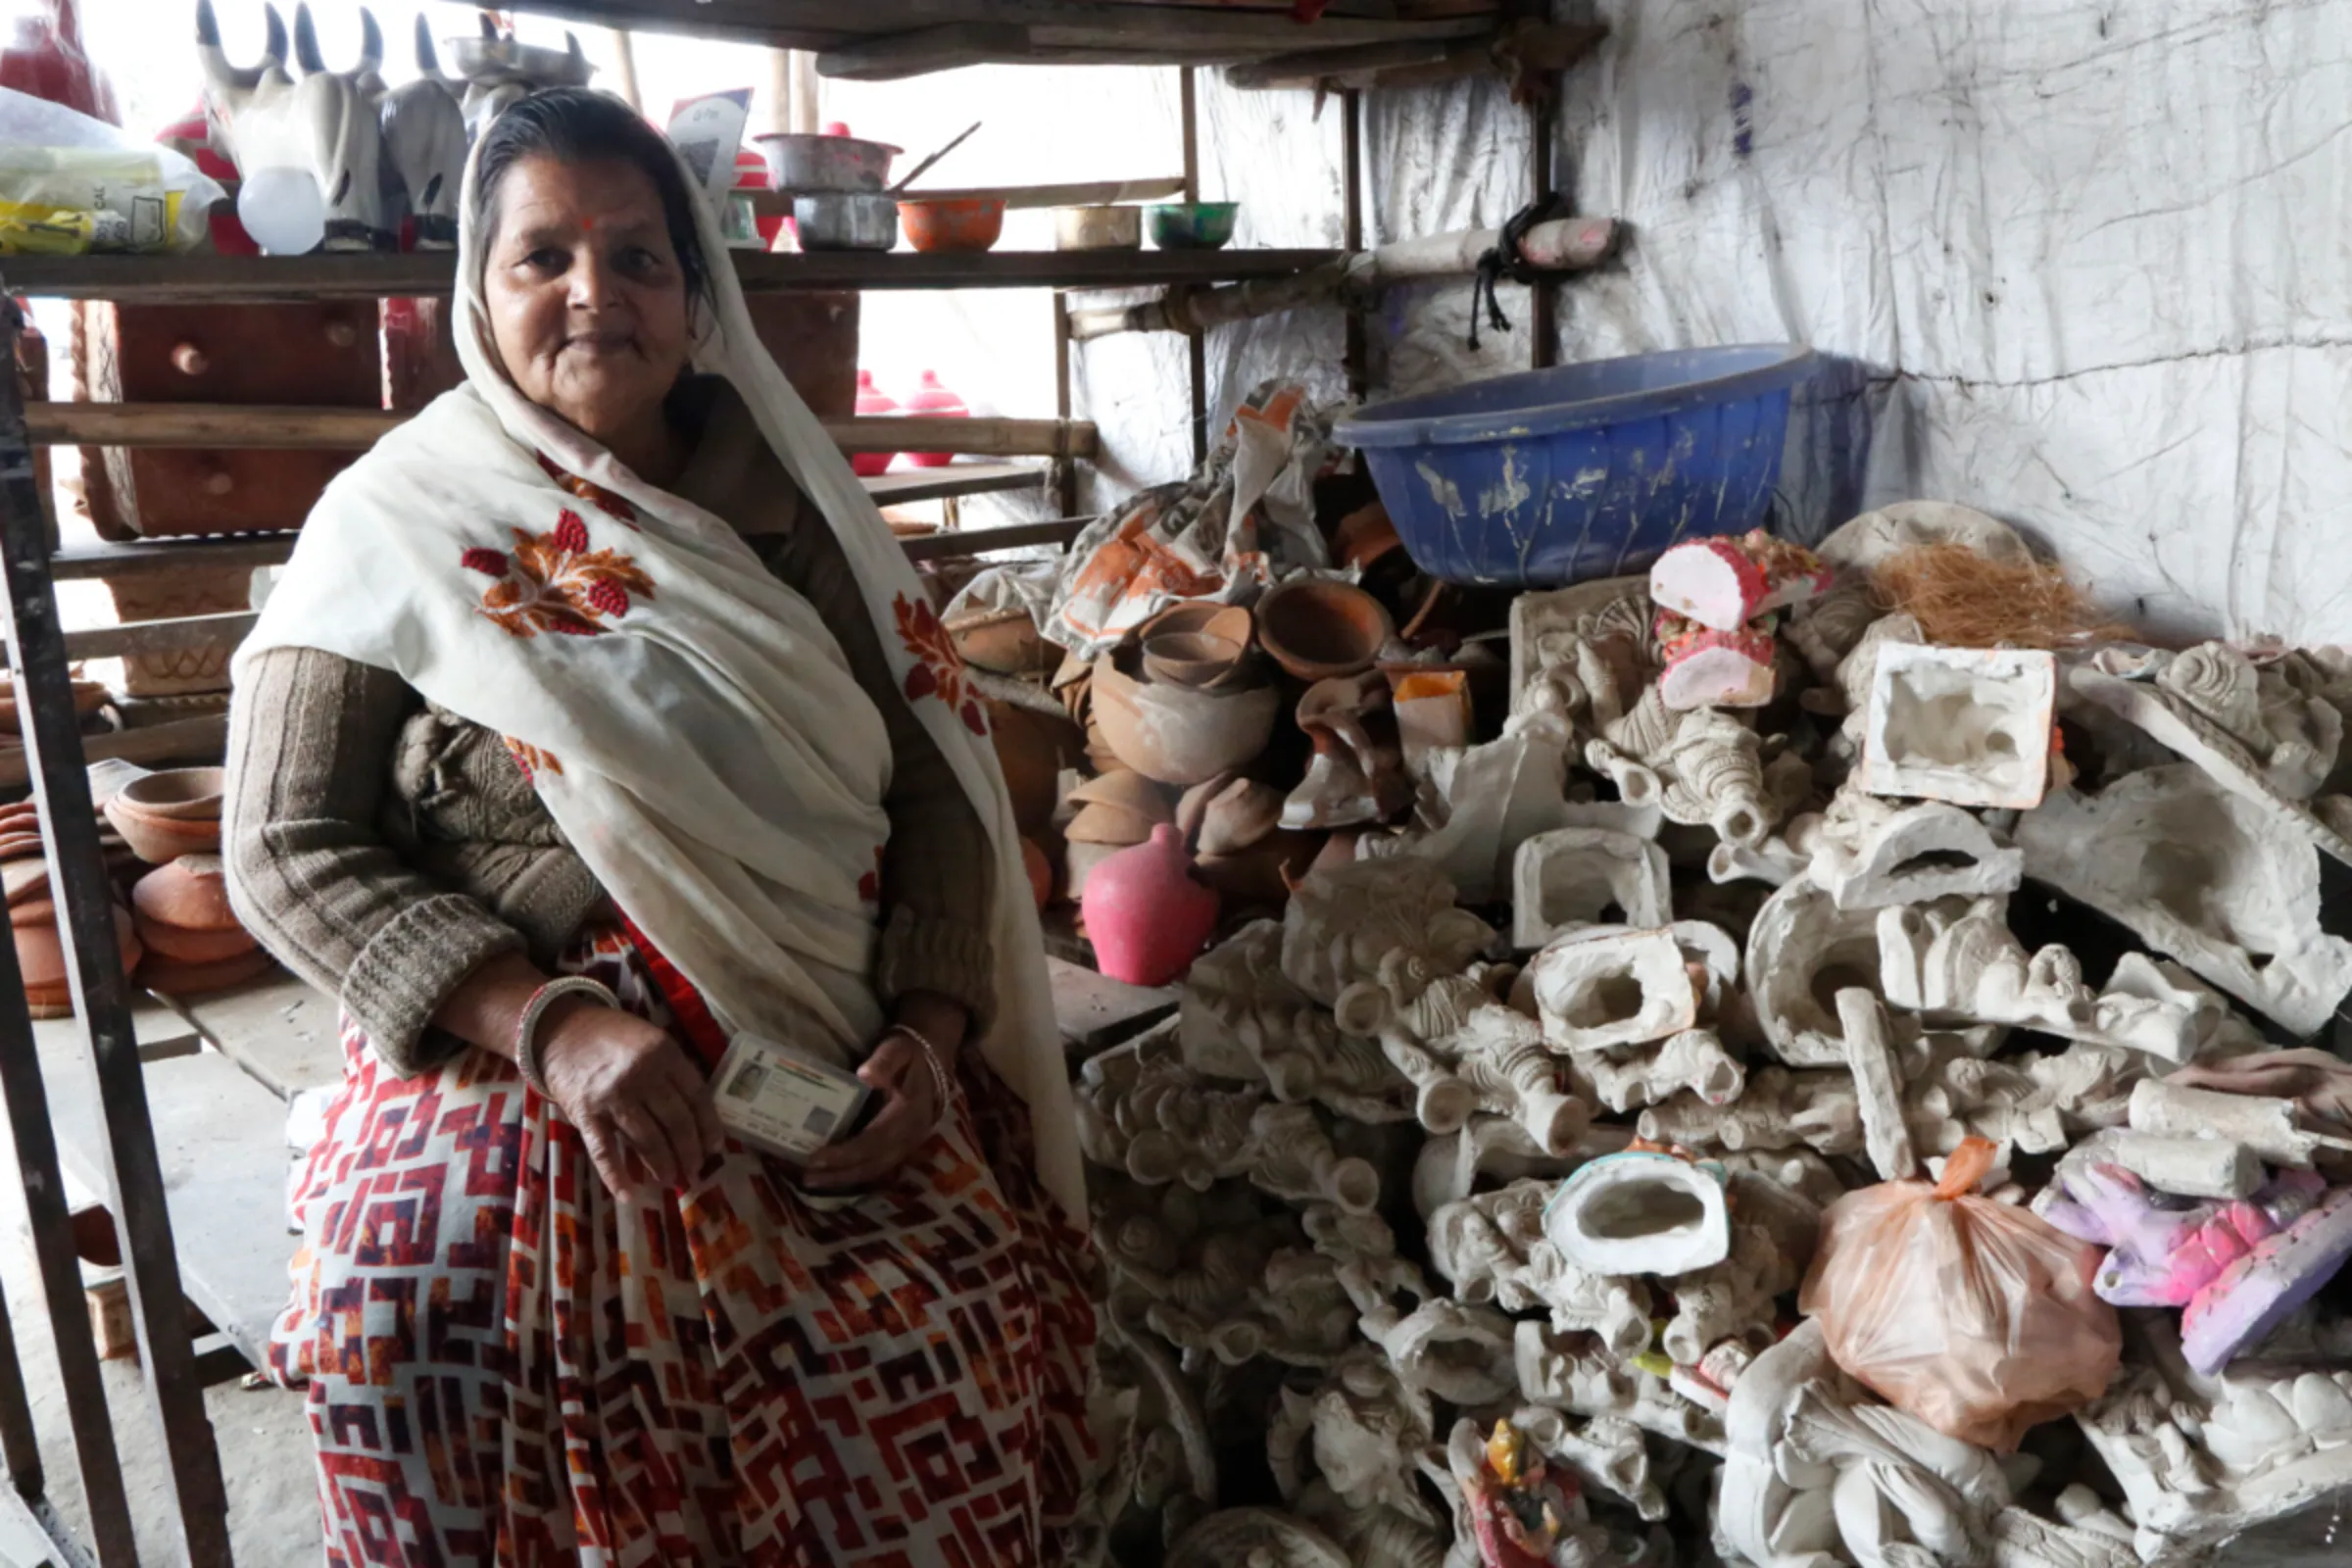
(1254, 1537)
(2202, 875)
(1476, 805)
(1769, 1244)
(1450, 1164)
(1579, 654)
(1778, 1110)
(1627, 1078)
(1700, 767)
(1855, 675)
(1362, 1426)
(1578, 1373)
(1242, 1019)
(424, 146)
(1826, 630)
(1491, 1247)
(1870, 854)
(1161, 1462)
(1342, 925)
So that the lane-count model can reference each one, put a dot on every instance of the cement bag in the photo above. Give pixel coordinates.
(1973, 1316)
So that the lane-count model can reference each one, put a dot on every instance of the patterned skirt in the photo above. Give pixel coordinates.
(506, 1364)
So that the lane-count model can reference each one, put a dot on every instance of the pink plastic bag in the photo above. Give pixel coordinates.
(1973, 1316)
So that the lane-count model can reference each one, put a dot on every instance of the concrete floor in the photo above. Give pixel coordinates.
(263, 1435)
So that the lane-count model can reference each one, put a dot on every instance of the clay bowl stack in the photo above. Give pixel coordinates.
(1115, 810)
(33, 910)
(1186, 702)
(192, 938)
(168, 814)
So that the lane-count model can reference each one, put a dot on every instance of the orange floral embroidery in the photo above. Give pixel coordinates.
(554, 582)
(531, 760)
(937, 670)
(596, 495)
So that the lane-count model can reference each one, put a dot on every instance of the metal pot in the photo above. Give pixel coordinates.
(845, 220)
(1098, 228)
(800, 162)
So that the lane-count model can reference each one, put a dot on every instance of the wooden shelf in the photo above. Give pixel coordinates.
(956, 479)
(242, 279)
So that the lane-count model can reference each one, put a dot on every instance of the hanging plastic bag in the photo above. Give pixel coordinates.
(1975, 1316)
(71, 184)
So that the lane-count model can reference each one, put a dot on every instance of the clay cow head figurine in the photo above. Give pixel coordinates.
(323, 124)
(498, 69)
(425, 147)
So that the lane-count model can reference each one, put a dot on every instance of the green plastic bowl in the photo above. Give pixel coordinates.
(1192, 226)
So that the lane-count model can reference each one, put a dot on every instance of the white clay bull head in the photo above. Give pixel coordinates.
(425, 147)
(498, 70)
(323, 125)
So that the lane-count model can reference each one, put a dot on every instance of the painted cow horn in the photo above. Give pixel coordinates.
(489, 25)
(306, 41)
(215, 60)
(372, 44)
(429, 62)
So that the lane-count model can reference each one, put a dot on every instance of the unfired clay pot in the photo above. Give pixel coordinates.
(1146, 915)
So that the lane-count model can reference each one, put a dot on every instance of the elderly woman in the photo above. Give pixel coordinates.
(598, 726)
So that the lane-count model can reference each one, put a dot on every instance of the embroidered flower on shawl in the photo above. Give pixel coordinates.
(937, 670)
(554, 582)
(531, 760)
(869, 886)
(596, 495)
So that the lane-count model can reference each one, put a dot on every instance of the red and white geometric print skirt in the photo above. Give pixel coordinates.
(506, 1364)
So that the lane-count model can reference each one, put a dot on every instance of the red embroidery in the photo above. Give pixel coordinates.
(937, 670)
(869, 886)
(554, 582)
(596, 495)
(531, 760)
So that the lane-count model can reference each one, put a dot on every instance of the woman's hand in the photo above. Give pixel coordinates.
(632, 1091)
(910, 1113)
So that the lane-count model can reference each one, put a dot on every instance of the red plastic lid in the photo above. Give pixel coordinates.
(838, 128)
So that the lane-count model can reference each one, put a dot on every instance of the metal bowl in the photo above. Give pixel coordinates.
(845, 220)
(1098, 228)
(799, 161)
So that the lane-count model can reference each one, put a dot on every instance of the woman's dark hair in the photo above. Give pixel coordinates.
(581, 125)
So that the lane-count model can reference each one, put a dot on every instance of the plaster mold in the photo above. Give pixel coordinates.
(1362, 1426)
(1870, 855)
(1371, 921)
(1951, 961)
(1639, 1213)
(2191, 1167)
(1877, 1084)
(2202, 1460)
(1620, 988)
(1579, 654)
(1701, 766)
(1477, 805)
(1604, 1452)
(1874, 538)
(1801, 950)
(1625, 1078)
(1492, 1248)
(1772, 861)
(1242, 1019)
(1826, 630)
(1143, 1111)
(1446, 1348)
(1848, 692)
(2277, 779)
(1817, 1473)
(1967, 725)
(1735, 1299)
(1587, 876)
(1451, 1164)
(1779, 1110)
(2269, 1125)
(2204, 877)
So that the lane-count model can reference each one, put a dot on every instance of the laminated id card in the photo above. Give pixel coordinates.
(777, 1100)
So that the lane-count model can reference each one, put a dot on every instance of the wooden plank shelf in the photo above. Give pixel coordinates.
(243, 279)
(282, 429)
(904, 488)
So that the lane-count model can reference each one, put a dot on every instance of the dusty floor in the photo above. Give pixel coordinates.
(263, 1439)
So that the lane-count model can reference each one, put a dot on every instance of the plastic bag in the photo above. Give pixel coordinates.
(69, 184)
(1973, 1316)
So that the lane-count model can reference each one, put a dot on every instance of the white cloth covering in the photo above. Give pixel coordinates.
(688, 719)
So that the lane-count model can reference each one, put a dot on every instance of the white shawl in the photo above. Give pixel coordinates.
(687, 718)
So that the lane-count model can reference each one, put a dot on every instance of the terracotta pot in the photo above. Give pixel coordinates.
(1177, 736)
(1233, 622)
(176, 979)
(1191, 658)
(1263, 872)
(161, 839)
(181, 794)
(1364, 536)
(191, 893)
(1110, 824)
(48, 1002)
(1078, 862)
(1003, 641)
(1317, 629)
(1125, 790)
(960, 223)
(183, 946)
(23, 881)
(41, 955)
(1146, 915)
(1041, 873)
(19, 845)
(1032, 748)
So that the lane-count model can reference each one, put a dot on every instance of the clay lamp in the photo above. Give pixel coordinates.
(1318, 630)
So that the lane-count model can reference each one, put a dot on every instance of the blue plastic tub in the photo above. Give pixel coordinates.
(1555, 476)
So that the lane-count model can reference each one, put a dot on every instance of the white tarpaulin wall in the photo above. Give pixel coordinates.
(2079, 265)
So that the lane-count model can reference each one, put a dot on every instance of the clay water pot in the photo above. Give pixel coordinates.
(191, 893)
(1146, 915)
(1004, 642)
(1189, 659)
(1041, 873)
(1176, 736)
(1317, 629)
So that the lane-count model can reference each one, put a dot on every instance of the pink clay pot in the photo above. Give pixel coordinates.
(1146, 915)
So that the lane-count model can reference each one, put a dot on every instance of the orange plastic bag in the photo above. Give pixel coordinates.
(1971, 1315)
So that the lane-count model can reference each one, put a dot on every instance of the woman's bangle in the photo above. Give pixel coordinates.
(939, 1070)
(526, 1028)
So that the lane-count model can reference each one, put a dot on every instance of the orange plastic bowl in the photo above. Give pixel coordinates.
(966, 223)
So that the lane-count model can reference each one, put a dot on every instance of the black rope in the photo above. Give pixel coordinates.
(1507, 260)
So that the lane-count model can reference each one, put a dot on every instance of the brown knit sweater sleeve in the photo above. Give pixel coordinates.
(310, 741)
